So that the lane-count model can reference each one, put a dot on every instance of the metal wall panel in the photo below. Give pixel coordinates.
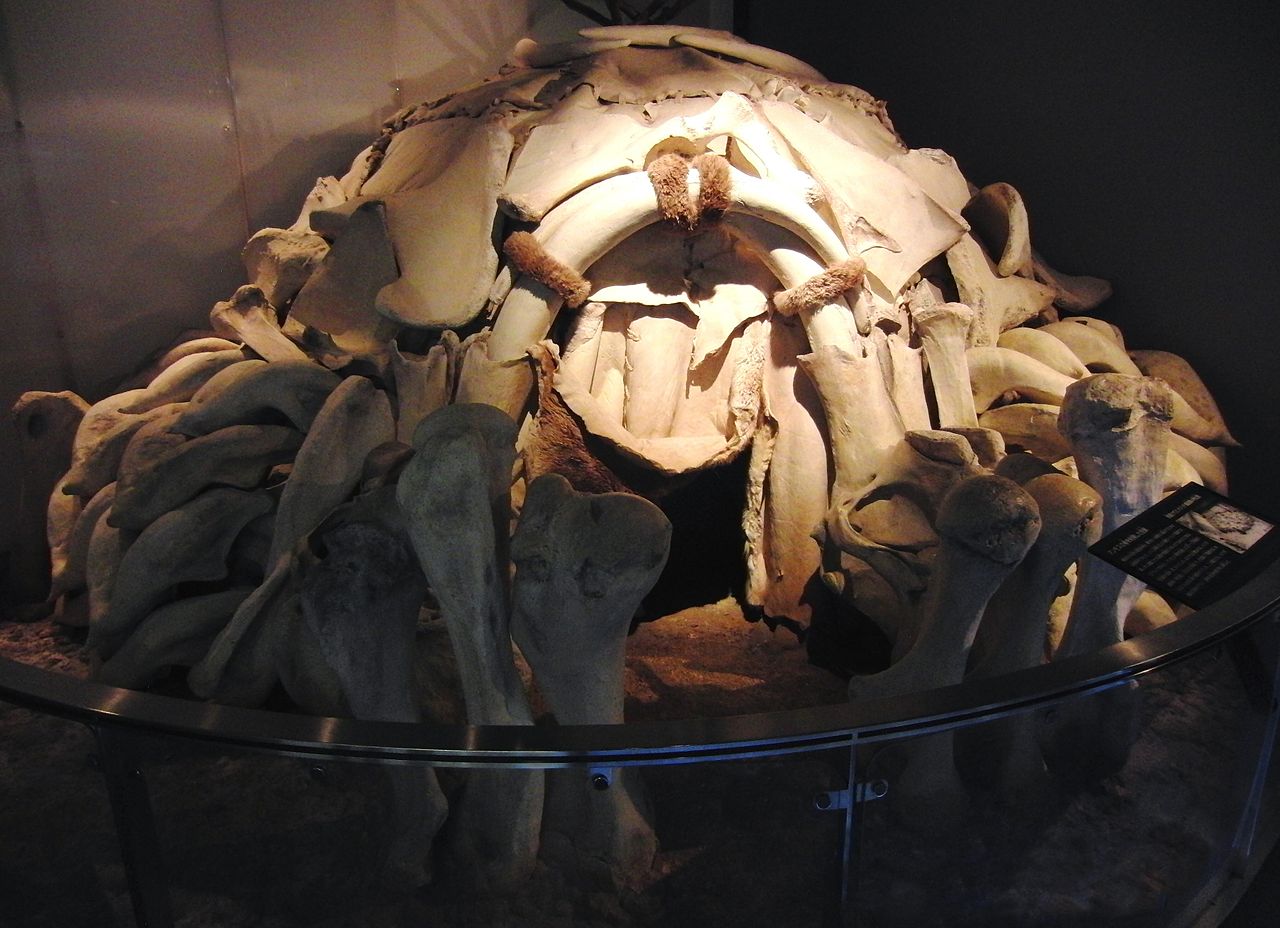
(312, 85)
(127, 130)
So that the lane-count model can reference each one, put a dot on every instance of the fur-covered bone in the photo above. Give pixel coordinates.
(527, 253)
(822, 289)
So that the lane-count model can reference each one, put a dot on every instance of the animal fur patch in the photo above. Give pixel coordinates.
(715, 186)
(821, 289)
(670, 178)
(527, 254)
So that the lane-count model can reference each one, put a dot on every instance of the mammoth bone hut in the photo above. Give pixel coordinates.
(467, 382)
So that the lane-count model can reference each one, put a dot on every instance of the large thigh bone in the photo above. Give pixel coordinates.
(1118, 427)
(583, 562)
(1012, 633)
(1119, 431)
(455, 494)
(360, 605)
(986, 524)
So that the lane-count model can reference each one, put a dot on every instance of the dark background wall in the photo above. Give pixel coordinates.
(1144, 137)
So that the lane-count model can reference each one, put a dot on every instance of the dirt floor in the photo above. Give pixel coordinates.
(278, 842)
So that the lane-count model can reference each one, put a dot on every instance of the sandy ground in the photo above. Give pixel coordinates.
(277, 842)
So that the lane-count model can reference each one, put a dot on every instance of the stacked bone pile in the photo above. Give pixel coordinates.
(652, 250)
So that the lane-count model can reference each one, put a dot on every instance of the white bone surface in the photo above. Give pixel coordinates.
(248, 316)
(998, 303)
(998, 214)
(860, 184)
(449, 168)
(944, 329)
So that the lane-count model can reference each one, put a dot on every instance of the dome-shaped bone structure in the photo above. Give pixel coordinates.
(755, 264)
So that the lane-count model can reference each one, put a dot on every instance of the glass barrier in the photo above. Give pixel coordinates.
(929, 809)
(1138, 813)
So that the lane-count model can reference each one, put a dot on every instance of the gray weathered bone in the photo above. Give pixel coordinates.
(583, 562)
(176, 634)
(101, 438)
(237, 456)
(46, 425)
(360, 607)
(355, 419)
(188, 544)
(256, 392)
(455, 494)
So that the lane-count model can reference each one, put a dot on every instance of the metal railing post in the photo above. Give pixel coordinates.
(135, 827)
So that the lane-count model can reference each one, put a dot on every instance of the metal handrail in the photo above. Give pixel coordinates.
(641, 743)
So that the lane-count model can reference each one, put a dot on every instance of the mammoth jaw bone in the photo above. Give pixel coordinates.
(586, 226)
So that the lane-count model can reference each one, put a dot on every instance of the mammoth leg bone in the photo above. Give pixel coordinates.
(361, 605)
(583, 563)
(986, 524)
(455, 494)
(1012, 633)
(1118, 427)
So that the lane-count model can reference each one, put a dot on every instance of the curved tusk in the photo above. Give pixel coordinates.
(591, 223)
(734, 47)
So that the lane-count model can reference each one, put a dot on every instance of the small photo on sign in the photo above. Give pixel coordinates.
(1228, 526)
